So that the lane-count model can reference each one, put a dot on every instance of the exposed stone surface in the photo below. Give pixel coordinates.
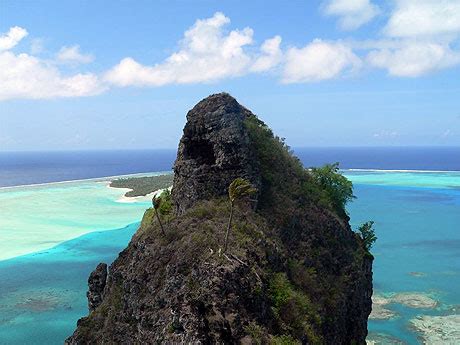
(213, 151)
(293, 268)
(96, 285)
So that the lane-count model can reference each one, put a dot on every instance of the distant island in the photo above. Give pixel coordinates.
(141, 186)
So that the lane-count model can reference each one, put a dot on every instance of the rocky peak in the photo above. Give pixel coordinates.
(214, 150)
(292, 274)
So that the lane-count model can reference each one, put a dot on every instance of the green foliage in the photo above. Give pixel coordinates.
(256, 332)
(157, 202)
(284, 340)
(367, 233)
(279, 169)
(336, 189)
(293, 309)
(166, 203)
(285, 181)
(280, 291)
(143, 185)
(240, 188)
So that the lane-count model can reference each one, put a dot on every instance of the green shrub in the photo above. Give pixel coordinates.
(293, 309)
(336, 189)
(256, 332)
(284, 340)
(166, 203)
(367, 233)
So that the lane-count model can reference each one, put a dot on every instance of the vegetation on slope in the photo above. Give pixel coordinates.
(143, 185)
(292, 268)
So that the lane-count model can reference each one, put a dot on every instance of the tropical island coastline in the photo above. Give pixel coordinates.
(143, 185)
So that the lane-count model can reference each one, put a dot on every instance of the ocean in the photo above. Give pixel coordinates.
(52, 235)
(25, 168)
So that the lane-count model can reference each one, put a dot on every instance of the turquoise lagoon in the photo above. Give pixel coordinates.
(52, 238)
(417, 220)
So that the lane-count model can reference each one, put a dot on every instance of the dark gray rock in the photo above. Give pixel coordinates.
(178, 289)
(96, 284)
(214, 150)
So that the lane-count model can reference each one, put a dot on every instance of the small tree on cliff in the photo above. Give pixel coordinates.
(239, 189)
(367, 233)
(156, 202)
(335, 189)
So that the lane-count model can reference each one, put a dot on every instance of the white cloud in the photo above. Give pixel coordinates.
(271, 55)
(424, 18)
(413, 59)
(26, 76)
(73, 55)
(352, 13)
(318, 61)
(206, 53)
(12, 37)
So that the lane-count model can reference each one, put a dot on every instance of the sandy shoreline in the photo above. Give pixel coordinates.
(131, 199)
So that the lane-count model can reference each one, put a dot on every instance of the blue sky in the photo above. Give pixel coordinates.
(122, 74)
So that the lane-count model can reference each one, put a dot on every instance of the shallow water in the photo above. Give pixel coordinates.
(42, 295)
(38, 217)
(417, 221)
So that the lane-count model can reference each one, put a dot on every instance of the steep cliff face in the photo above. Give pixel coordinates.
(294, 272)
(214, 150)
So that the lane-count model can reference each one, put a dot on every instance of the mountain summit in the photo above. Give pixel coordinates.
(294, 271)
(214, 150)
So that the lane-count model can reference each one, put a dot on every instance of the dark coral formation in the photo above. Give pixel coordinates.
(294, 273)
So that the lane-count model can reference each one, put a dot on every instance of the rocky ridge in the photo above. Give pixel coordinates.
(294, 273)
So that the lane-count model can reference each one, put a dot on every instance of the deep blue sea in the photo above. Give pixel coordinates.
(23, 168)
(412, 194)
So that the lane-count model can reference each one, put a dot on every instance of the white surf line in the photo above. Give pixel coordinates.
(95, 179)
(132, 199)
(403, 171)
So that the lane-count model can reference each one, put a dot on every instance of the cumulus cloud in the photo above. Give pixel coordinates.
(271, 55)
(413, 59)
(422, 33)
(424, 18)
(318, 61)
(352, 13)
(12, 37)
(26, 76)
(73, 55)
(207, 53)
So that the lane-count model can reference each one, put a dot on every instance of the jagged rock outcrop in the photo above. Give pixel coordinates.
(214, 150)
(96, 285)
(294, 272)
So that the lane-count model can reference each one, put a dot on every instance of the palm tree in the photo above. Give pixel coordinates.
(240, 188)
(156, 201)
